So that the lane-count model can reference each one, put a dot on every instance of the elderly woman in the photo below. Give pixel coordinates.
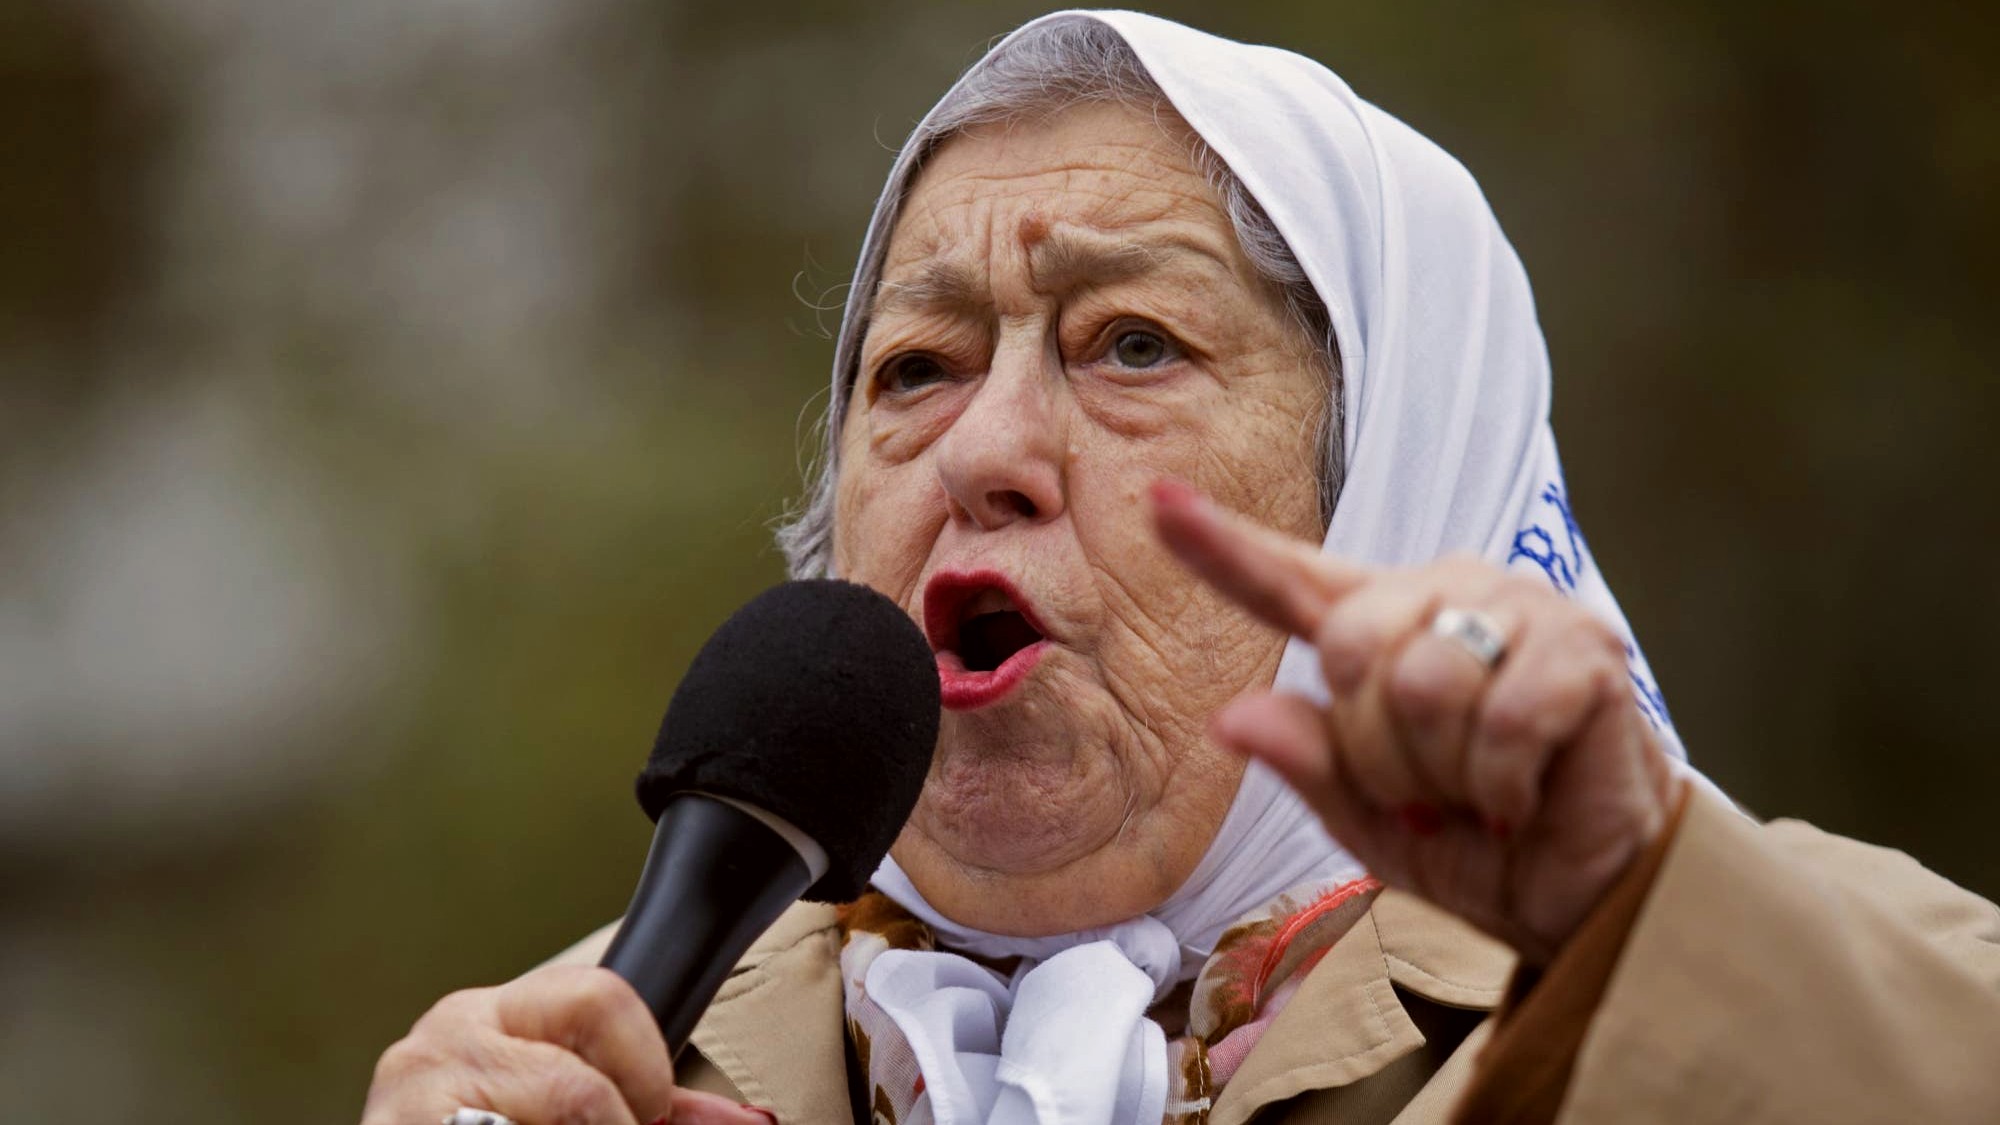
(1141, 317)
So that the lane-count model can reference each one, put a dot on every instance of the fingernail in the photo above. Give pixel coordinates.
(768, 1115)
(660, 1120)
(1167, 490)
(1498, 828)
(1222, 728)
(1422, 819)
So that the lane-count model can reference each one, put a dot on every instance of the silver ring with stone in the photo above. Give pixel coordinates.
(1473, 631)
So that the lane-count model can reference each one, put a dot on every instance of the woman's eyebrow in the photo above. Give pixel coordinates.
(1064, 262)
(937, 284)
(1067, 261)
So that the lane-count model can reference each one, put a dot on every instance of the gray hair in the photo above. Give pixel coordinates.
(1052, 67)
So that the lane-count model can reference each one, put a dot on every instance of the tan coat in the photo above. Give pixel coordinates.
(1775, 973)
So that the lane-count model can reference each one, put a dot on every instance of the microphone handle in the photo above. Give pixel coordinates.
(715, 879)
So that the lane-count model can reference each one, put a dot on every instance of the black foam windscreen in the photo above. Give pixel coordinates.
(817, 701)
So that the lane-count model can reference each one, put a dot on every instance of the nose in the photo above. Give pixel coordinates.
(1001, 461)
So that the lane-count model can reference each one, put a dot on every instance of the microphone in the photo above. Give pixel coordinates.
(790, 756)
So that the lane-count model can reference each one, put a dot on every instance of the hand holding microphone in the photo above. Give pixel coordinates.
(792, 753)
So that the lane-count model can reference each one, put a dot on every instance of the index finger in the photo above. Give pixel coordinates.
(596, 1015)
(1285, 582)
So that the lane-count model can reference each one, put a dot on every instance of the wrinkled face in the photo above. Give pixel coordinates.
(1065, 317)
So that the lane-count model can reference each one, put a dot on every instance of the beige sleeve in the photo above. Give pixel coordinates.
(1524, 1070)
(1779, 973)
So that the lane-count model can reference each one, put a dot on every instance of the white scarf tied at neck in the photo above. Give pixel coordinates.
(1066, 1040)
(1447, 447)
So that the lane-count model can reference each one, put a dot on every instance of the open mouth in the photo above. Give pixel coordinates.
(985, 635)
(986, 640)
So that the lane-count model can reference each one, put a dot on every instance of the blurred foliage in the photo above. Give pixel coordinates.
(505, 316)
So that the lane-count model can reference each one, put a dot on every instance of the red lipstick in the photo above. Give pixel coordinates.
(985, 633)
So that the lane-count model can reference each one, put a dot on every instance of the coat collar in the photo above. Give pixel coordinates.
(1438, 957)
(777, 1029)
(1346, 1022)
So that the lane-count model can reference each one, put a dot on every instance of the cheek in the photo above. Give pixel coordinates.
(902, 433)
(1161, 621)
(1161, 612)
(1246, 436)
(1262, 458)
(884, 524)
(1248, 443)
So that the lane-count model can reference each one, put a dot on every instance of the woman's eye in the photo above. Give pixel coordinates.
(909, 372)
(1140, 348)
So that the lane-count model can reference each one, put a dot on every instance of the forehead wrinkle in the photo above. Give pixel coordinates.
(1088, 200)
(1143, 160)
(1095, 220)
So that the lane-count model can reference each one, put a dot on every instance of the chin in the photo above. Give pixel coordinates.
(1006, 807)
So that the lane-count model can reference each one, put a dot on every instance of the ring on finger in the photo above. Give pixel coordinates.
(1475, 632)
(466, 1115)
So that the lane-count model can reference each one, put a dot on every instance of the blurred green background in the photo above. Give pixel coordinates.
(393, 394)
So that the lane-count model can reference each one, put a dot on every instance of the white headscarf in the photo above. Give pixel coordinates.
(1445, 390)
